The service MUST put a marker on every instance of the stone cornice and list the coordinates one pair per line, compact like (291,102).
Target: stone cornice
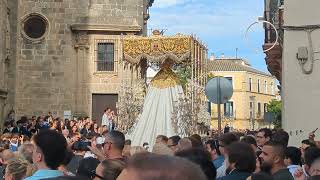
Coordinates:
(106,27)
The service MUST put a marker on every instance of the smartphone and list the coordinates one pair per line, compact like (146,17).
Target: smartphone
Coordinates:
(315,130)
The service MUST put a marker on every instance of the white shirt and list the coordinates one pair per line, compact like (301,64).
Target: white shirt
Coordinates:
(104,120)
(221,171)
(293,168)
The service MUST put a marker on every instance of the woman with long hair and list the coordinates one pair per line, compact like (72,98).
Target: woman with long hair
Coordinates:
(74,129)
(56,125)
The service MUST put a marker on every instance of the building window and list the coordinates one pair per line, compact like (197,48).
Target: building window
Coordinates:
(34,26)
(230,79)
(105,61)
(265,87)
(250,84)
(259,109)
(265,107)
(258,85)
(272,89)
(228,109)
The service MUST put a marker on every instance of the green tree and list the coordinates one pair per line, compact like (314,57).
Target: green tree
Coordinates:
(275,107)
(210,76)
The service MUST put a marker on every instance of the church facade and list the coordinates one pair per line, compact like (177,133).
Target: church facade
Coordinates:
(65,56)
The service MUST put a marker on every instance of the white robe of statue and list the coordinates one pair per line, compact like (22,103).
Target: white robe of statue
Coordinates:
(155,119)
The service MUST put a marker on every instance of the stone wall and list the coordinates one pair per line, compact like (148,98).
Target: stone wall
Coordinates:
(300,92)
(8,19)
(57,73)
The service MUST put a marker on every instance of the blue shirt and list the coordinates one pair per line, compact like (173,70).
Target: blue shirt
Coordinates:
(45,173)
(218,162)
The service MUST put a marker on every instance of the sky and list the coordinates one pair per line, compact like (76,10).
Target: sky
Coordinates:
(221,24)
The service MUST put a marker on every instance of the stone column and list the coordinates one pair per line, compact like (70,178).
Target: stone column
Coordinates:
(82,49)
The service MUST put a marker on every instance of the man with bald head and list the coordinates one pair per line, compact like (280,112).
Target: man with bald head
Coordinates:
(184,144)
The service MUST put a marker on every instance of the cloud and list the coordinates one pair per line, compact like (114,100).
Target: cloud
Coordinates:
(219,23)
(167,3)
(204,17)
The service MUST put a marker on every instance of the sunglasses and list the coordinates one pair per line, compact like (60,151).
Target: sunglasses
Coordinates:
(94,174)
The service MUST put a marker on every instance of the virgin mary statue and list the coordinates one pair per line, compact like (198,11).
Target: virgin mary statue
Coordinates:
(155,118)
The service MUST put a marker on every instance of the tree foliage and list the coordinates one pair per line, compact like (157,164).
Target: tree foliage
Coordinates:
(275,107)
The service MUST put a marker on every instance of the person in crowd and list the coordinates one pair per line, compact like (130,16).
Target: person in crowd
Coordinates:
(63,125)
(162,139)
(17,169)
(305,144)
(87,166)
(315,168)
(127,148)
(56,125)
(260,176)
(241,161)
(258,162)
(26,151)
(310,155)
(137,149)
(162,149)
(273,155)
(281,137)
(200,157)
(48,154)
(212,147)
(264,135)
(63,166)
(224,141)
(111,123)
(226,129)
(184,144)
(151,166)
(7,127)
(6,156)
(14,142)
(85,131)
(173,142)
(251,141)
(196,141)
(74,129)
(113,146)
(104,119)
(292,159)
(109,169)
(94,129)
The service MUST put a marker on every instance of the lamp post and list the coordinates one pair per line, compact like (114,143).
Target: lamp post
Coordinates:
(252,112)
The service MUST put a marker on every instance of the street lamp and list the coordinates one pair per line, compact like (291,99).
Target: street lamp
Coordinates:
(252,111)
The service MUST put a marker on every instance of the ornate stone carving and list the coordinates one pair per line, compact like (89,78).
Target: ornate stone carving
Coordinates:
(81,40)
(274,60)
(157,48)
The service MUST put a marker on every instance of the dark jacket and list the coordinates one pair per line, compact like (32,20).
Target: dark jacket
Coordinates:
(236,175)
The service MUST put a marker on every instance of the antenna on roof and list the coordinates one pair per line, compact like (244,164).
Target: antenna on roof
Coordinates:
(236,53)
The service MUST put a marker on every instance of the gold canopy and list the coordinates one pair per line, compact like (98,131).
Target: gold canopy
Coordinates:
(165,78)
(157,48)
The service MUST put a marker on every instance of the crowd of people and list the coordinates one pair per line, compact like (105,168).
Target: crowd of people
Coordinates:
(53,148)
